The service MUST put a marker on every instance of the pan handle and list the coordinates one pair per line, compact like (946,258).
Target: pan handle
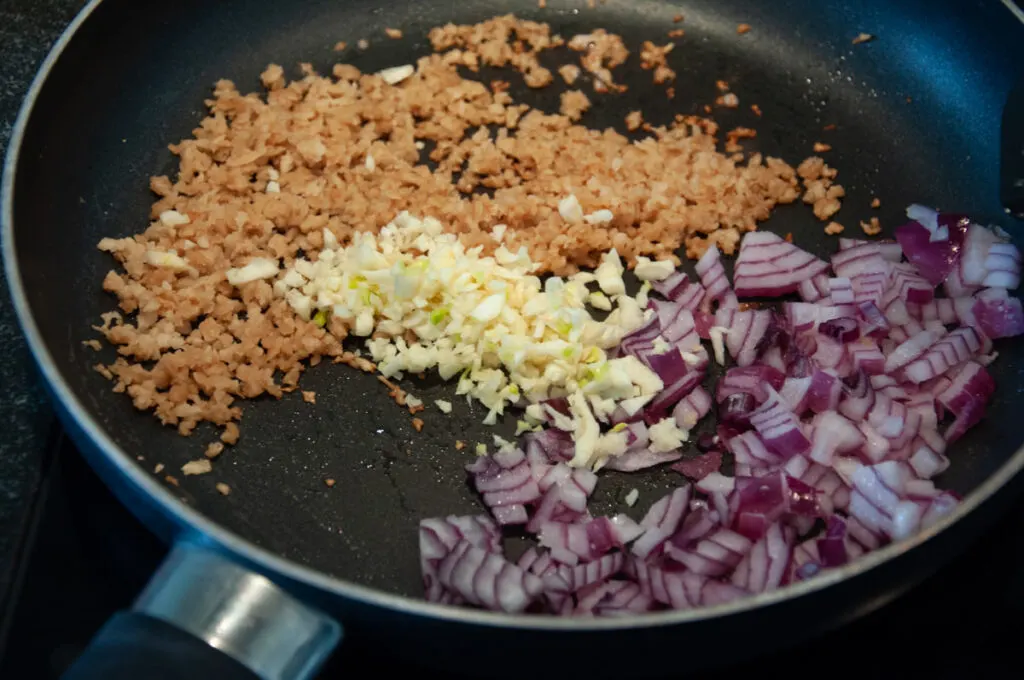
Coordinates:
(203,616)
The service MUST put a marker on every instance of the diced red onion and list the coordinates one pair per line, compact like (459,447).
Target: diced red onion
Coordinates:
(778,427)
(814,289)
(754,380)
(487,579)
(641,459)
(769,266)
(700,466)
(955,348)
(661,522)
(767,562)
(692,408)
(998,315)
(712,274)
(933,259)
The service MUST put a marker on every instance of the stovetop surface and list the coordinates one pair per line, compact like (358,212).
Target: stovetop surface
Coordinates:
(83,557)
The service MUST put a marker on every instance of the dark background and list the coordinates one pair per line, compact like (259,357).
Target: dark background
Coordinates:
(80,556)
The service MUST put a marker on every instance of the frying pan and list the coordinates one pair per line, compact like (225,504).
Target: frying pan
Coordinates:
(917,114)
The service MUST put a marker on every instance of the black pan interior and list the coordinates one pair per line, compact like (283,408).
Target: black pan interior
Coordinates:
(916,112)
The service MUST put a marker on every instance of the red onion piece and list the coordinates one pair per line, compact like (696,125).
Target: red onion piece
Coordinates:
(952,350)
(814,289)
(692,408)
(998,315)
(778,427)
(767,563)
(834,434)
(641,459)
(439,536)
(487,579)
(700,466)
(754,380)
(933,259)
(746,328)
(661,522)
(769,266)
(712,275)
(613,598)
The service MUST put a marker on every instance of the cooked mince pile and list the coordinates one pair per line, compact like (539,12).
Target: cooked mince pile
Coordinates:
(264,174)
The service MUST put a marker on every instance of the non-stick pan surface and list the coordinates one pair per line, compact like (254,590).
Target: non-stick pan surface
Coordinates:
(916,114)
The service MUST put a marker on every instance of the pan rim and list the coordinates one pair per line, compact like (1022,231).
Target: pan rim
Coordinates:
(283,568)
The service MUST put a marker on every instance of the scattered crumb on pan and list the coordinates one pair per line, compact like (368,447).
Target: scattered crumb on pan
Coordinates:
(829,128)
(733,137)
(309,396)
(393,33)
(729,100)
(158,468)
(339,46)
(876,202)
(743,28)
(872,227)
(756,109)
(676,33)
(197,467)
(223,489)
(93,344)
(214,449)
(363,44)
(862,38)
(821,147)
(834,228)
(330,482)
(417,424)
(677,19)
(569,73)
(634,119)
(459,444)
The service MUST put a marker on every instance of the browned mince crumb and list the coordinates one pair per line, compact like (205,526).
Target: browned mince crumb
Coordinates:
(417,424)
(743,28)
(542,4)
(876,203)
(820,191)
(340,46)
(393,33)
(670,92)
(654,57)
(330,482)
(676,33)
(309,397)
(459,444)
(173,481)
(756,109)
(394,391)
(834,228)
(499,86)
(574,104)
(829,127)
(190,344)
(789,237)
(634,120)
(677,19)
(158,468)
(230,434)
(591,4)
(722,85)
(602,51)
(821,147)
(223,488)
(569,73)
(728,100)
(733,136)
(93,344)
(862,38)
(197,467)
(707,108)
(872,227)
(214,449)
